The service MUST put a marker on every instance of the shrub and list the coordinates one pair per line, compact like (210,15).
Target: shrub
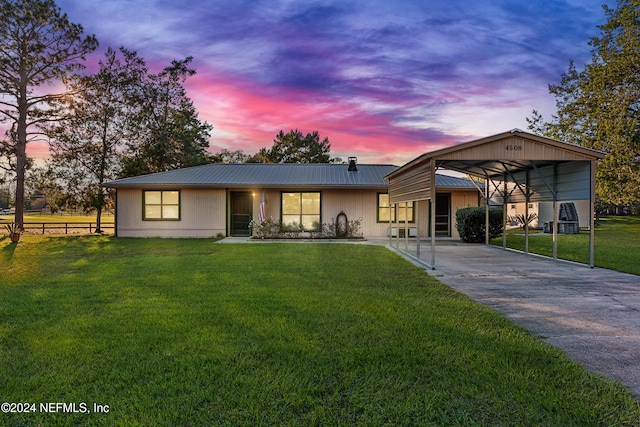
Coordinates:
(272,229)
(522,220)
(470,223)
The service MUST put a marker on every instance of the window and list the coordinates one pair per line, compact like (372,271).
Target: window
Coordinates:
(161,205)
(301,209)
(384,210)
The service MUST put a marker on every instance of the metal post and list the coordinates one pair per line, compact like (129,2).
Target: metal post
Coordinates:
(416,221)
(486,210)
(390,224)
(592,224)
(555,211)
(406,226)
(526,214)
(504,212)
(433,213)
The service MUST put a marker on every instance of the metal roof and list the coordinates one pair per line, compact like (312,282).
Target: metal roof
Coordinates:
(280,175)
(508,152)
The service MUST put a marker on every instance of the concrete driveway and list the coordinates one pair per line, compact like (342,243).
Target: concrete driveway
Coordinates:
(591,314)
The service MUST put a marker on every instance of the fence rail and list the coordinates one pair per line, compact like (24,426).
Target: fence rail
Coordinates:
(57,227)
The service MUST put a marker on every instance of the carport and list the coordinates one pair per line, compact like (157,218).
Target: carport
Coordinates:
(511,167)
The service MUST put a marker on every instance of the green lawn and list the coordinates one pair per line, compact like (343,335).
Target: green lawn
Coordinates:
(617,244)
(187,332)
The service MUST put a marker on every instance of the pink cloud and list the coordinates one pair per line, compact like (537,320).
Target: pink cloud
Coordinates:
(247,116)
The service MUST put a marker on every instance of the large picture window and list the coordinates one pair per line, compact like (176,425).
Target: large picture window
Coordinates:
(405,210)
(301,210)
(161,205)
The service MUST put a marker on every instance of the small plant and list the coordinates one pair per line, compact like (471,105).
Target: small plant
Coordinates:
(522,220)
(14,231)
(267,229)
(272,229)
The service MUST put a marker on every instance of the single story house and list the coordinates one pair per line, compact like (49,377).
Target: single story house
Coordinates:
(223,199)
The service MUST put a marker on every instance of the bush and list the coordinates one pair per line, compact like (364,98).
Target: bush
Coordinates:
(470,223)
(272,229)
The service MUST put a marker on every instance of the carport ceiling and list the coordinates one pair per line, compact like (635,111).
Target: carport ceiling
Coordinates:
(492,168)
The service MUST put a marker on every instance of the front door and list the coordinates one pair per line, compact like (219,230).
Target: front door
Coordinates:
(241,213)
(443,215)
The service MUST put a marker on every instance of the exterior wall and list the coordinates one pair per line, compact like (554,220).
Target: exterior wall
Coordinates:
(356,204)
(459,200)
(202,214)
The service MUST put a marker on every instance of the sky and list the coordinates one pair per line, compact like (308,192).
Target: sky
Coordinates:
(384,80)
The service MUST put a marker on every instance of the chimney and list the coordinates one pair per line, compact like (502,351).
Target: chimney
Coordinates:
(352,164)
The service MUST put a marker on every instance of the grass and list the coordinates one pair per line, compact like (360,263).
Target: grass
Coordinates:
(617,244)
(186,332)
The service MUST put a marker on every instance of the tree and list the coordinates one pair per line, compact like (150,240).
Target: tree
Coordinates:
(172,135)
(38,47)
(63,190)
(103,119)
(227,156)
(599,106)
(293,147)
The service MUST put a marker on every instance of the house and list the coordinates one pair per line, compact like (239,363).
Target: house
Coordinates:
(222,199)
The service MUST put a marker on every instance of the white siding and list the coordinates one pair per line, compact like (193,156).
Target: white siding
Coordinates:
(202,214)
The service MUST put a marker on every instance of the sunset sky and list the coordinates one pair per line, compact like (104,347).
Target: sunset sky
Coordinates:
(384,80)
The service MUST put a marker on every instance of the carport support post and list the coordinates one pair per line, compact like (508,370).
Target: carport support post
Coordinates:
(396,210)
(486,210)
(433,214)
(555,228)
(416,220)
(504,212)
(406,226)
(526,213)
(555,211)
(592,224)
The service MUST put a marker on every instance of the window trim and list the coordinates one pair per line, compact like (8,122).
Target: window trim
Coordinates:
(386,221)
(319,193)
(144,205)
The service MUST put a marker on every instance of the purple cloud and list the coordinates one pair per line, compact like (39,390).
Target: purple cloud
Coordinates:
(374,76)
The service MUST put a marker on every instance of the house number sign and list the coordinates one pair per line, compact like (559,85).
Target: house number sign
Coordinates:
(513,147)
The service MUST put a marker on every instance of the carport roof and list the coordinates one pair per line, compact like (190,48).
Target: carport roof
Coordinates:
(508,152)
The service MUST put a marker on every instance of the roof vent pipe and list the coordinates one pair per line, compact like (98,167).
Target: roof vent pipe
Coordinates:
(352,164)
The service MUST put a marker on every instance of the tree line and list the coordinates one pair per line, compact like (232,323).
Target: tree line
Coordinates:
(120,121)
(599,106)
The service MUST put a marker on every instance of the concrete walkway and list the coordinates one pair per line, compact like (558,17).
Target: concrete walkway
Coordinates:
(591,314)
